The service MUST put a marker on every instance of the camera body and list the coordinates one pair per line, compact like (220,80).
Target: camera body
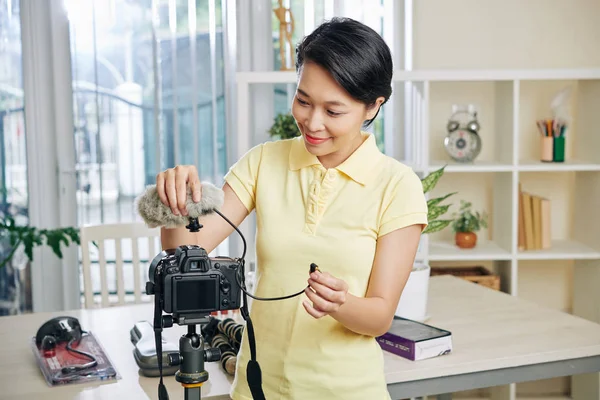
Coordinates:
(192,284)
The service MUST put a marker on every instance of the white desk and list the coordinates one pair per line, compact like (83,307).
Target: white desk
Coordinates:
(498,339)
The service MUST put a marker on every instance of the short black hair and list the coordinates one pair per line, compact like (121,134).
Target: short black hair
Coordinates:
(354,54)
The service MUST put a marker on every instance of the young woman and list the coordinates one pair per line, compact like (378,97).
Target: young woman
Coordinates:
(328,197)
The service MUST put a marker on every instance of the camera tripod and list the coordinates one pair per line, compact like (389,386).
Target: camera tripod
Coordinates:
(191,358)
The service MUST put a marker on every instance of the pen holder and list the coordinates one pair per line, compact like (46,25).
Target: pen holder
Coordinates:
(547,148)
(552,149)
(558,145)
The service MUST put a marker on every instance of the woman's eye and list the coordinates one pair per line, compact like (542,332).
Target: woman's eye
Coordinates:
(301,101)
(333,113)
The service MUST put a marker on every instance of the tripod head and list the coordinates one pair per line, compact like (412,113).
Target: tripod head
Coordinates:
(191,358)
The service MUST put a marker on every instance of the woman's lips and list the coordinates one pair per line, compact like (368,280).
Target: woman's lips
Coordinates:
(314,140)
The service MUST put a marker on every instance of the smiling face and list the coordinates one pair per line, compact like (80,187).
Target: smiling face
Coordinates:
(329,119)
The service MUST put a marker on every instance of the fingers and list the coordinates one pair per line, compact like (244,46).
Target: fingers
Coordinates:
(160,189)
(313,311)
(171,190)
(181,178)
(171,186)
(327,293)
(196,187)
(328,280)
(320,304)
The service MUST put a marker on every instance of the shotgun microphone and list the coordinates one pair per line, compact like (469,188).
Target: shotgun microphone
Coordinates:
(155,213)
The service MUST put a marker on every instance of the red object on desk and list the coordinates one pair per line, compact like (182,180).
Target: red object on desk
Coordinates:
(52,360)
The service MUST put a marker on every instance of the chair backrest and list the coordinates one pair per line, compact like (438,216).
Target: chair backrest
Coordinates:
(113,248)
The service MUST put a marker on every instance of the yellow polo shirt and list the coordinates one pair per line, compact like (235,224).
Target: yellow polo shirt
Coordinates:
(332,217)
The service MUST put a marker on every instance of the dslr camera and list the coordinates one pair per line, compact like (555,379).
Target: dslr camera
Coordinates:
(192,284)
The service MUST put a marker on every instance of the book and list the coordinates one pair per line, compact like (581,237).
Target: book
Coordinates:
(545,221)
(52,363)
(528,221)
(521,242)
(415,340)
(534,222)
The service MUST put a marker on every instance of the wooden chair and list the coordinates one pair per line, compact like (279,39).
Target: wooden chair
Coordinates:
(110,239)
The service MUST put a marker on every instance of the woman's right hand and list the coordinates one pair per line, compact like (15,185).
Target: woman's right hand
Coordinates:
(172,184)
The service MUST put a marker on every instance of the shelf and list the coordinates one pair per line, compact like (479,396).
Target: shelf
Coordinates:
(484,250)
(568,165)
(487,250)
(267,77)
(561,250)
(496,75)
(443,75)
(476,166)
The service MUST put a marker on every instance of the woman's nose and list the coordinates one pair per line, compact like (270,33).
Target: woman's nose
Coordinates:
(314,122)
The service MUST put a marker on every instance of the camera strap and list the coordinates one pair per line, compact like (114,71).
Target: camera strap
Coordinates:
(253,373)
(158,327)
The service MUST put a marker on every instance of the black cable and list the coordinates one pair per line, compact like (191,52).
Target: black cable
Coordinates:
(242,286)
(240,272)
(73,368)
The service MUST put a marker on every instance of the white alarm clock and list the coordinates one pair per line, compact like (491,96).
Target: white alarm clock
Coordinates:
(463,143)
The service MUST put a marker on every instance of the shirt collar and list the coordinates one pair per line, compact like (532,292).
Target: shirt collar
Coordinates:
(357,167)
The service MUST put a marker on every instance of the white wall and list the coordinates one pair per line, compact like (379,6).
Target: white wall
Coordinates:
(506,34)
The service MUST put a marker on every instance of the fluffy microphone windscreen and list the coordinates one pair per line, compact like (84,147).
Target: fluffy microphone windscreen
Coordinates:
(155,213)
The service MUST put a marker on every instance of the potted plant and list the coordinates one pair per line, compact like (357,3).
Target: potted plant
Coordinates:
(413,302)
(17,241)
(466,224)
(284,127)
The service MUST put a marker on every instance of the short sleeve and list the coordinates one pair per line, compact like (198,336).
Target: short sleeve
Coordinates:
(243,176)
(407,205)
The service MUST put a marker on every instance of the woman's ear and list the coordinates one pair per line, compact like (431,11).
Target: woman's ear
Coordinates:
(372,110)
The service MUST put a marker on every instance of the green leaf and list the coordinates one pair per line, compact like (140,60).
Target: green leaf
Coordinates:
(73,234)
(438,200)
(435,212)
(54,239)
(28,243)
(437,225)
(432,179)
(31,237)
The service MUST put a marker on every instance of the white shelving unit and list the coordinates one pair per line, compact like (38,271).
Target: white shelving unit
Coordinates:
(508,103)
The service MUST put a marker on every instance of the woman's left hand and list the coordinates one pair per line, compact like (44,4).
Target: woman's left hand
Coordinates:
(326,292)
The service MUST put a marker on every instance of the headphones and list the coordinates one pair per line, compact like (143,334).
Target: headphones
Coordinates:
(59,330)
(471,125)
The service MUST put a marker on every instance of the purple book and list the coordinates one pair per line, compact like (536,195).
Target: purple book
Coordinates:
(414,340)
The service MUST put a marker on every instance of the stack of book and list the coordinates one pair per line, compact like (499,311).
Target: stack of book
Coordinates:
(534,221)
(415,340)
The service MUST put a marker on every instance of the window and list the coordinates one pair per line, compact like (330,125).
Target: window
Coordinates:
(13,159)
(148,87)
(149,94)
